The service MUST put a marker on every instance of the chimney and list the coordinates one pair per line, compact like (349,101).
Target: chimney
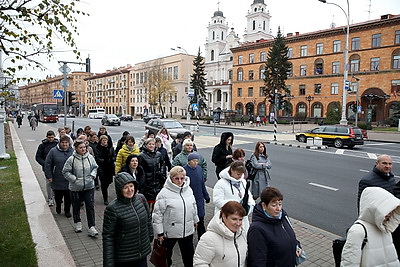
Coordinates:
(88,64)
(387,16)
(297,33)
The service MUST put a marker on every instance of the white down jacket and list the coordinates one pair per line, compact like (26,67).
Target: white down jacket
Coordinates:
(224,191)
(375,204)
(175,211)
(220,247)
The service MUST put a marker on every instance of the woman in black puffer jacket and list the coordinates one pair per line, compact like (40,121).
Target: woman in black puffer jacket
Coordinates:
(105,158)
(127,227)
(154,171)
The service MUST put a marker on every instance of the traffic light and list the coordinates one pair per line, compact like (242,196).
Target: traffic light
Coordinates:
(271,98)
(282,101)
(71,98)
(354,106)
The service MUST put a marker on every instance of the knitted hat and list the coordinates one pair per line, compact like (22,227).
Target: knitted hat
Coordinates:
(193,155)
(187,133)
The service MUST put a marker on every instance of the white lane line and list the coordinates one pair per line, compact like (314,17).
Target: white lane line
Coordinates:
(361,170)
(339,151)
(324,186)
(372,155)
(381,144)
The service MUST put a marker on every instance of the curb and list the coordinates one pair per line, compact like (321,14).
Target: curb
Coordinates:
(50,244)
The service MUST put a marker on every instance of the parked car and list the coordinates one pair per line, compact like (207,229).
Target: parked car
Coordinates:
(336,135)
(126,117)
(148,117)
(110,119)
(174,127)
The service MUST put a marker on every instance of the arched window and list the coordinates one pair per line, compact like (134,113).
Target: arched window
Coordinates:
(219,95)
(262,72)
(222,35)
(261,109)
(212,55)
(240,74)
(254,25)
(239,108)
(317,110)
(354,63)
(319,66)
(213,37)
(301,107)
(396,59)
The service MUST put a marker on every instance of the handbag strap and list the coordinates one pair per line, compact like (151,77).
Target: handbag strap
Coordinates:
(365,240)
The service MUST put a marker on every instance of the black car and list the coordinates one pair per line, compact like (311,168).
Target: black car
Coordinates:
(150,117)
(126,117)
(336,135)
(110,119)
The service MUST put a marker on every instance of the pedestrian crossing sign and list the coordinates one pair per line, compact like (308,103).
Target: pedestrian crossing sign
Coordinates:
(58,94)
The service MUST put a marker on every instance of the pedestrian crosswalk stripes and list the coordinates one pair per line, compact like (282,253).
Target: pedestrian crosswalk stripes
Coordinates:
(205,141)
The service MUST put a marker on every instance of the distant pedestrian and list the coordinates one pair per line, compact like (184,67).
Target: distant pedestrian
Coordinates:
(19,120)
(380,215)
(127,227)
(41,153)
(166,140)
(80,170)
(33,123)
(222,153)
(258,119)
(242,120)
(195,173)
(54,165)
(260,161)
(265,120)
(225,242)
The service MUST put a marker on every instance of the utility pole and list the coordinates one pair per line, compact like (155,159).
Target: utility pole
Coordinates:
(275,113)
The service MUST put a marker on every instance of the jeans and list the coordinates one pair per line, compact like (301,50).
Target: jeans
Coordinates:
(88,197)
(186,247)
(59,195)
(50,193)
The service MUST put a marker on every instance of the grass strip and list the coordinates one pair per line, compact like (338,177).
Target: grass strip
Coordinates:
(16,245)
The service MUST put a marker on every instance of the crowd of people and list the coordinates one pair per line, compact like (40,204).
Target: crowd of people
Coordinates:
(161,196)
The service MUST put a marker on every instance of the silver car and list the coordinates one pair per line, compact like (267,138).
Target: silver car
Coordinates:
(174,127)
(110,119)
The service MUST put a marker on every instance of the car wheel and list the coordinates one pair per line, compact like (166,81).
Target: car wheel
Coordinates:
(338,143)
(302,139)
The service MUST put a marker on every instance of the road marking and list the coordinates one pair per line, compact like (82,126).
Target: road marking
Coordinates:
(381,144)
(372,155)
(361,170)
(324,186)
(211,141)
(340,151)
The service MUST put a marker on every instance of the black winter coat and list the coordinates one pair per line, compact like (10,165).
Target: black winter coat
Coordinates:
(220,152)
(105,158)
(109,141)
(154,173)
(165,156)
(127,227)
(271,242)
(54,165)
(44,149)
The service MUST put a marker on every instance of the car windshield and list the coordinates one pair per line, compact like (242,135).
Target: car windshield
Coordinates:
(172,124)
(112,116)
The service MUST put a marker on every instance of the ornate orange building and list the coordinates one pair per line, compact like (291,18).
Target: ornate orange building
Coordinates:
(317,61)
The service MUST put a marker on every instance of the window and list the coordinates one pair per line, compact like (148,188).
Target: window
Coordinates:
(303,51)
(334,88)
(250,91)
(219,95)
(263,56)
(240,59)
(303,70)
(262,91)
(396,61)
(320,49)
(335,67)
(230,74)
(239,92)
(240,74)
(175,72)
(290,52)
(251,75)
(251,58)
(262,72)
(336,46)
(397,37)
(376,40)
(319,66)
(212,55)
(375,63)
(317,89)
(355,43)
(354,65)
(170,73)
(302,89)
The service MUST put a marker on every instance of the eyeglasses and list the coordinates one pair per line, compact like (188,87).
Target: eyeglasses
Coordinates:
(179,178)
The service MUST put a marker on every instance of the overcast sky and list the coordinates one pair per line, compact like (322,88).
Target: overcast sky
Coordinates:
(122,32)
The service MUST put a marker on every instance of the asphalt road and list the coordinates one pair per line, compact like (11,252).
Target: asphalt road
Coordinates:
(319,186)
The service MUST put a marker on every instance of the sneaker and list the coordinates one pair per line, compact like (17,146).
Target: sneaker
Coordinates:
(50,202)
(68,214)
(93,232)
(78,227)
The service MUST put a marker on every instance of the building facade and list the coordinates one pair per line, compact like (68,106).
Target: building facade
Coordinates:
(316,79)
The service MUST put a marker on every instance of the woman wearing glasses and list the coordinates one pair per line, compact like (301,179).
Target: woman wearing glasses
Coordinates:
(80,169)
(175,215)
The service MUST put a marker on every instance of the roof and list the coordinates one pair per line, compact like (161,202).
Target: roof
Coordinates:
(218,14)
(258,2)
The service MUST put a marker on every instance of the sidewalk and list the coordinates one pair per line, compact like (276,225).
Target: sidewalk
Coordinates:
(86,251)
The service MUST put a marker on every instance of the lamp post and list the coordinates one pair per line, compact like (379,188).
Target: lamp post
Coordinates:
(309,98)
(188,81)
(343,120)
(171,102)
(370,97)
(385,97)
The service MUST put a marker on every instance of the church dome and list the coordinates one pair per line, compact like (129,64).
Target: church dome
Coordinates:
(218,14)
(258,2)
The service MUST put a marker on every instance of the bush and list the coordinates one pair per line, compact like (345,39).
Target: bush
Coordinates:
(365,126)
(300,116)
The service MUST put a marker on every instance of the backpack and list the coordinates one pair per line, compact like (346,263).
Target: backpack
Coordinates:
(251,171)
(338,244)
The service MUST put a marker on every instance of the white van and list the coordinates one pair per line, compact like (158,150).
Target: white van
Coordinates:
(96,113)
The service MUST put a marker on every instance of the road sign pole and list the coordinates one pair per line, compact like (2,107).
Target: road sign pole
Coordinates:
(65,85)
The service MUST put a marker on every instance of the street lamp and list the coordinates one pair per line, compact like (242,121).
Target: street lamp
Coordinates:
(385,97)
(343,120)
(171,102)
(309,98)
(178,48)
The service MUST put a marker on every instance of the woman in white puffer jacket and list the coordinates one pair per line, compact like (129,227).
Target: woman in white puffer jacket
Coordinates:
(380,214)
(225,242)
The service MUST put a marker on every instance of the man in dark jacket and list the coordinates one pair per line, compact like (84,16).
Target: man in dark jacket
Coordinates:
(43,149)
(222,153)
(53,171)
(381,176)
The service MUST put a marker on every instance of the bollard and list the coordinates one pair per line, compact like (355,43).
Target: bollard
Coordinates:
(310,141)
(318,141)
(3,154)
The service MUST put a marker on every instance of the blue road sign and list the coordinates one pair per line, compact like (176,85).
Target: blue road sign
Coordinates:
(58,94)
(195,107)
